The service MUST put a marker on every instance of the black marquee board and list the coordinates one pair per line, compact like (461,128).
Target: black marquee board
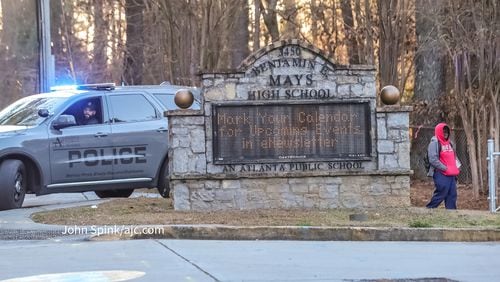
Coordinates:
(291,132)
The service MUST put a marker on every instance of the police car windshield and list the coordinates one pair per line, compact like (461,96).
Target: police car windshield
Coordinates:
(25,111)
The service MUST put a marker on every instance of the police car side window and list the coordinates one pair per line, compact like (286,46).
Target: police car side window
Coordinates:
(132,108)
(167,100)
(86,111)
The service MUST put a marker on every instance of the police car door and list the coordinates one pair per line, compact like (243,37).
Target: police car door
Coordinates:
(81,153)
(139,134)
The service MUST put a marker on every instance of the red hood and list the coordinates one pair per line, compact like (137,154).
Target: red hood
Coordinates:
(439,133)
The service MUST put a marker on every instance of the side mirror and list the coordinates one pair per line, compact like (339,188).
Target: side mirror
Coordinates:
(63,121)
(43,113)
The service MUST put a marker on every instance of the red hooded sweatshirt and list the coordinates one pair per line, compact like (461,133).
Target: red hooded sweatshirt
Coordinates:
(447,155)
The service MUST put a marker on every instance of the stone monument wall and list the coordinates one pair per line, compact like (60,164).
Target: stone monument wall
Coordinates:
(290,129)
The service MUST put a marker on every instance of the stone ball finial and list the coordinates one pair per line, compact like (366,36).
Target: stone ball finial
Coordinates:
(183,98)
(389,95)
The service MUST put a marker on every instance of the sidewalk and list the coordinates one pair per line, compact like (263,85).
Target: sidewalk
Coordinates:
(17,225)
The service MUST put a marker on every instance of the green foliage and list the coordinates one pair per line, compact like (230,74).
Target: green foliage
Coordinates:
(418,223)
(304,223)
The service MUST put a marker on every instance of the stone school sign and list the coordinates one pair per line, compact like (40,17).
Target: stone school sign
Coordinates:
(290,129)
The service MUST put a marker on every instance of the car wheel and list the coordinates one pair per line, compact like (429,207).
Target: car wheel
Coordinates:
(13,184)
(122,193)
(164,182)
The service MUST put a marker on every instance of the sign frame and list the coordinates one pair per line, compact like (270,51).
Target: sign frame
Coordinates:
(368,121)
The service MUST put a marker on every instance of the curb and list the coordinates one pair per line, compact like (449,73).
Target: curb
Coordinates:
(209,232)
(20,226)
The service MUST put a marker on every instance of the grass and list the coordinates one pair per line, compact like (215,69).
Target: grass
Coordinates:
(160,211)
(304,224)
(420,224)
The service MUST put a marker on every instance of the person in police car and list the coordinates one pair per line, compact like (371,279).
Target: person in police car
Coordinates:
(89,114)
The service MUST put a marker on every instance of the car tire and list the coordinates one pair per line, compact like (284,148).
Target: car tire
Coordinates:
(13,184)
(164,181)
(122,193)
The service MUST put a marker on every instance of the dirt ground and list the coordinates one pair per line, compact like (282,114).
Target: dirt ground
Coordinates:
(471,213)
(421,193)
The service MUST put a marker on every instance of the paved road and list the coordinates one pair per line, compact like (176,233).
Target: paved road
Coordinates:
(72,259)
(188,260)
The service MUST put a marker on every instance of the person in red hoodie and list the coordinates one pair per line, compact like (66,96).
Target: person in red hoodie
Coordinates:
(443,168)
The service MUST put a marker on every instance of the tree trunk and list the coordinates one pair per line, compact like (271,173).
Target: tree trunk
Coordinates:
(387,43)
(8,72)
(429,78)
(194,49)
(9,23)
(19,50)
(370,50)
(479,147)
(240,38)
(393,18)
(256,26)
(205,27)
(290,30)
(56,32)
(270,18)
(99,64)
(467,114)
(352,43)
(134,55)
(117,52)
(429,61)
(314,22)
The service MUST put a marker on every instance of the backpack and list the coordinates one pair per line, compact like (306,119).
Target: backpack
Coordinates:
(427,164)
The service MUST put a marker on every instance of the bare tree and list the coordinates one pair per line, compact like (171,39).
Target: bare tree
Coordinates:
(18,50)
(325,24)
(134,55)
(99,62)
(117,31)
(469,30)
(394,19)
(314,21)
(270,15)
(368,34)
(256,25)
(349,31)
(234,34)
(289,19)
(346,29)
(429,64)
(429,78)
(239,40)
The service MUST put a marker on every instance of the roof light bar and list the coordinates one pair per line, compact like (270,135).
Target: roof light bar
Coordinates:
(97,86)
(63,87)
